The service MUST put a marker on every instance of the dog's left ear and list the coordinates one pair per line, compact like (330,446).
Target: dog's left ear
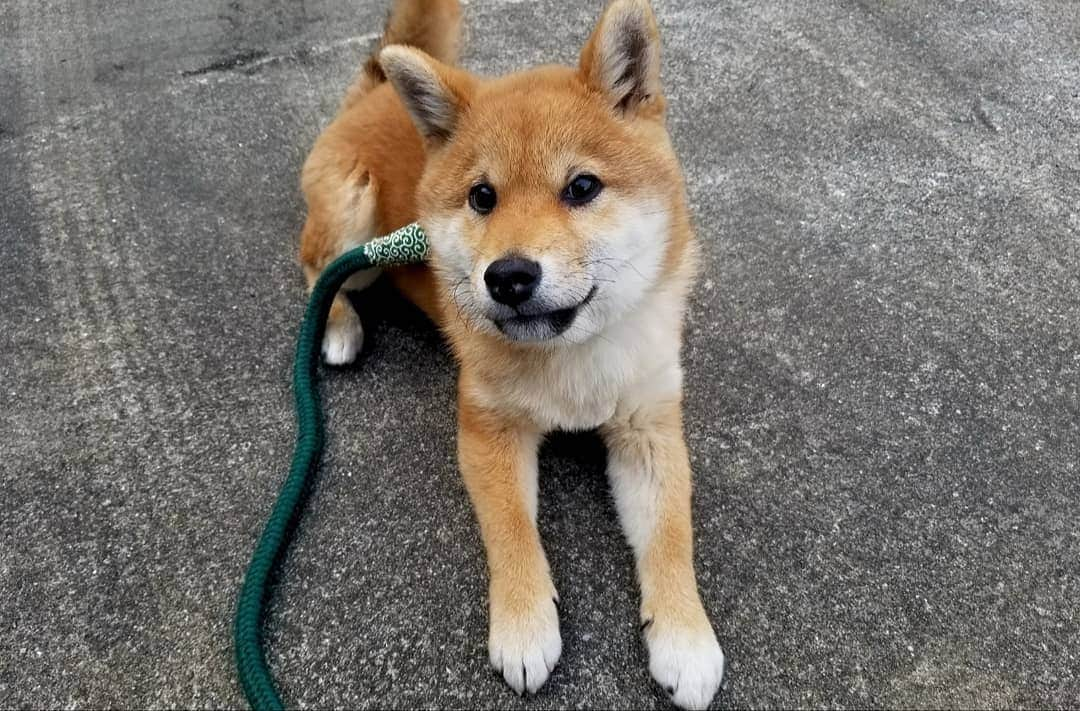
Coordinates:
(434,94)
(622,58)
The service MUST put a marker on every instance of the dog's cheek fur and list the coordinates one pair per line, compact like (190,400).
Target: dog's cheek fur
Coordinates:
(460,282)
(624,257)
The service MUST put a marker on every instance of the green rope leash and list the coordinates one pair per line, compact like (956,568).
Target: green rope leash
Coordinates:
(407,245)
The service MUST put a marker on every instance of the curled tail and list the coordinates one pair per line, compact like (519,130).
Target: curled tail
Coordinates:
(431,25)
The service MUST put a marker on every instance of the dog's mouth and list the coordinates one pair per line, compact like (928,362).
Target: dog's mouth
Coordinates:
(542,325)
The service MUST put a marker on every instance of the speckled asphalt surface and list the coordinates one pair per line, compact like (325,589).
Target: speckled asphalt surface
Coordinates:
(883,364)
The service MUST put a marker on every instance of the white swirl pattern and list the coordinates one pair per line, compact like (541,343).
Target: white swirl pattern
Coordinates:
(407,245)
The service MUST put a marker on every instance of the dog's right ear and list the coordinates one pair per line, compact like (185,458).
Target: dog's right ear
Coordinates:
(434,94)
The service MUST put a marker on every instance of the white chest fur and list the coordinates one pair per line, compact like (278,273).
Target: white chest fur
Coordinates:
(580,386)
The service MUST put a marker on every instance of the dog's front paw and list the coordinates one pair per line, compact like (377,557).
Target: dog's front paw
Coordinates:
(343,339)
(525,645)
(686,661)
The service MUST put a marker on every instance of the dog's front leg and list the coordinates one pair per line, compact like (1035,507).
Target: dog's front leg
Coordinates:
(649,470)
(498,462)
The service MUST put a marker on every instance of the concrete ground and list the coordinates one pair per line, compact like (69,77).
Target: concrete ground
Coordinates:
(883,365)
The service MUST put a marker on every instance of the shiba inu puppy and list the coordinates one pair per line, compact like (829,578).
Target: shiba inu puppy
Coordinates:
(561,254)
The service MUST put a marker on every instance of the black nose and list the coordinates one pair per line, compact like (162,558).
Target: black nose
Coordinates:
(512,280)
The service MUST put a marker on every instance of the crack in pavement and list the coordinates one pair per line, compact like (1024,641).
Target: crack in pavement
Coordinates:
(252,60)
(228,64)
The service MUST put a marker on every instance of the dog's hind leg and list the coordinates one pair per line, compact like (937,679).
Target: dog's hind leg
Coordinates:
(341,215)
(344,335)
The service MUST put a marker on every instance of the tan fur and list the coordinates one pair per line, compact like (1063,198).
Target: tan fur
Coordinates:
(497,458)
(372,171)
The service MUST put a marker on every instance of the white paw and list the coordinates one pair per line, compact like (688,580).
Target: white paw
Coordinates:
(688,664)
(343,339)
(525,648)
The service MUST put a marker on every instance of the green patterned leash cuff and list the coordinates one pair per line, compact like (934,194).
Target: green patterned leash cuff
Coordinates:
(407,245)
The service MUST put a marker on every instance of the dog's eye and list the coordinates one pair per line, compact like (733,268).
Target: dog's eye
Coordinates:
(582,189)
(482,198)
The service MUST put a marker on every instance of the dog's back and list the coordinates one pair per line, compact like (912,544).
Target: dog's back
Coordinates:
(360,179)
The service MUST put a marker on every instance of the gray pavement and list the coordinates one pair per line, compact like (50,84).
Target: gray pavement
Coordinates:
(883,365)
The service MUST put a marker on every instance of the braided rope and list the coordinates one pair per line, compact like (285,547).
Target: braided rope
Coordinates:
(404,246)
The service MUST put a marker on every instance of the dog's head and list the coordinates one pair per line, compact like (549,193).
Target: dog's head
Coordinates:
(548,194)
